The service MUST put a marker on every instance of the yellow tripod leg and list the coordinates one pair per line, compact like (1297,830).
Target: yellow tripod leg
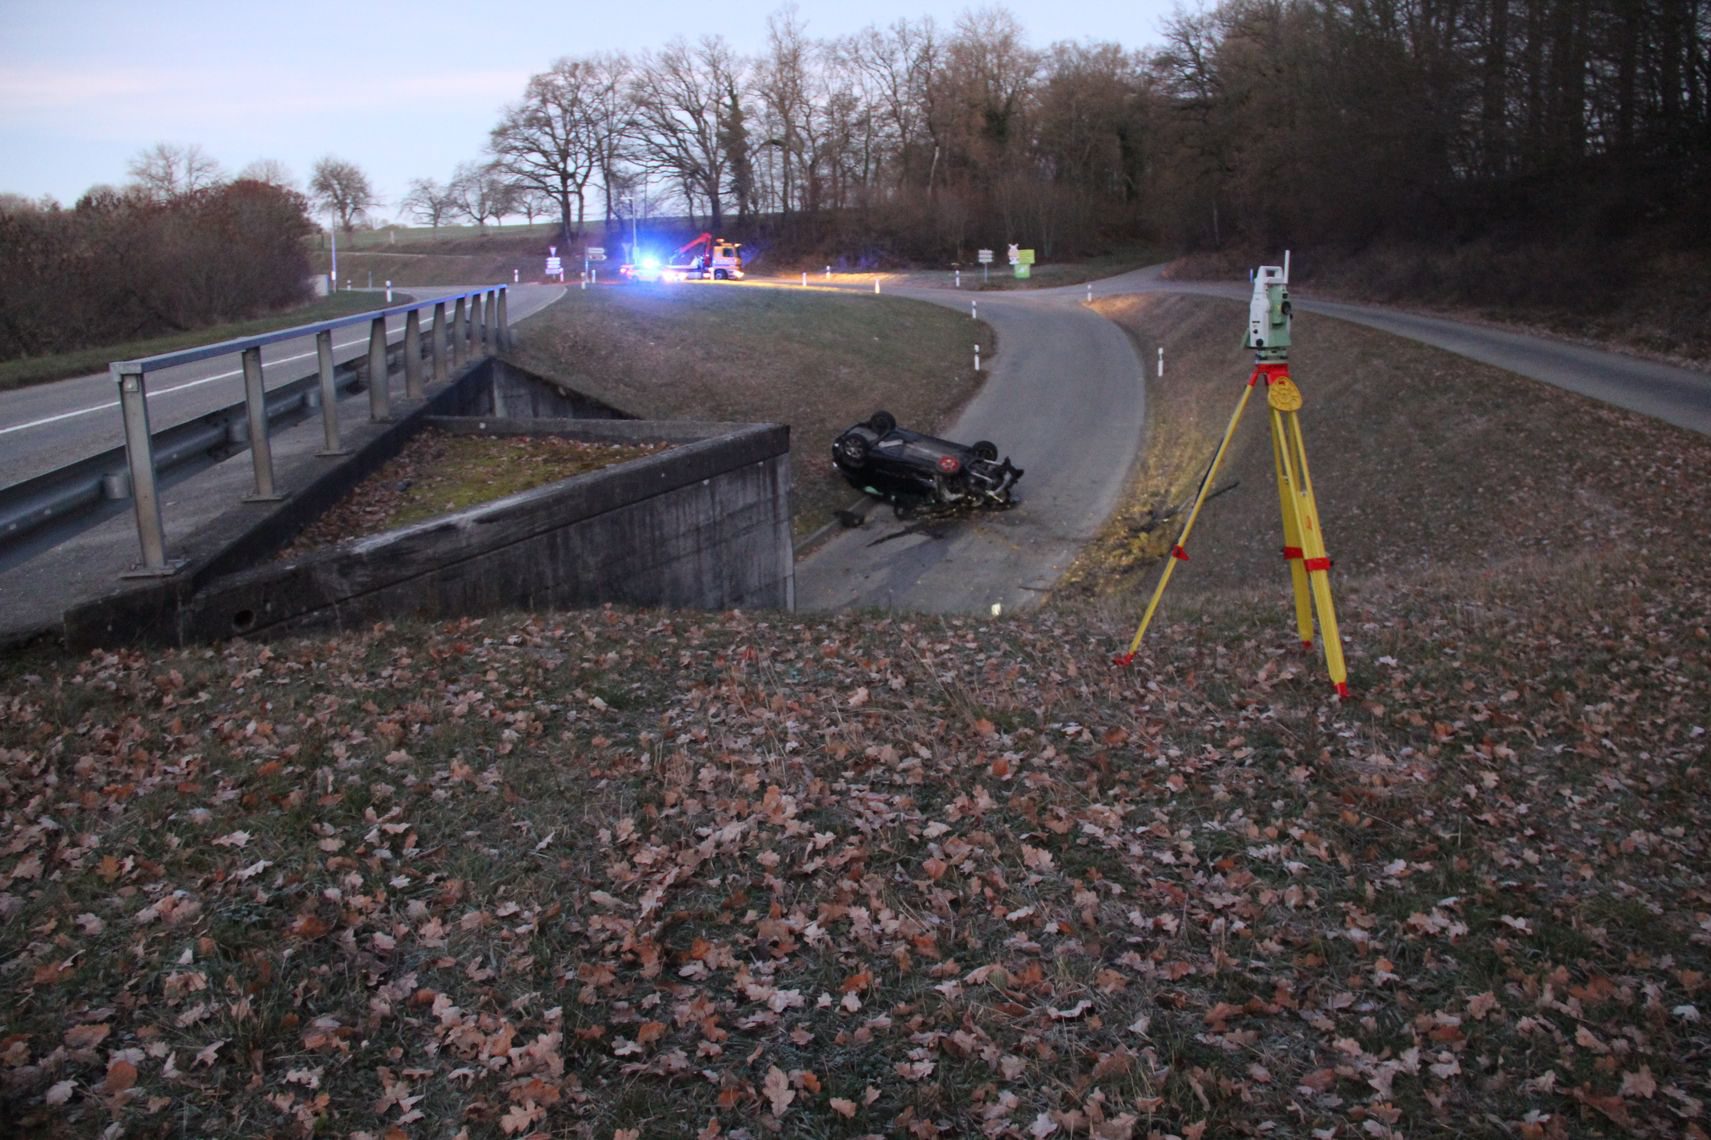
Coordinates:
(1301,510)
(1291,532)
(1179,553)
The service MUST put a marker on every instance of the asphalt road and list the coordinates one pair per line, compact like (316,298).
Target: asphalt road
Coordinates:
(48,425)
(1678,396)
(1066,400)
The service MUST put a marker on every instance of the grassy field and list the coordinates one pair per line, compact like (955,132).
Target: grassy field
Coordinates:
(41,369)
(813,360)
(624,874)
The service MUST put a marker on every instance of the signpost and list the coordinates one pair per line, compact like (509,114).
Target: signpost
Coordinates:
(985,257)
(555,267)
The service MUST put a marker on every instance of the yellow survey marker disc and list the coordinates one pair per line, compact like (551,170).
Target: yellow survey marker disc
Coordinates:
(1283,395)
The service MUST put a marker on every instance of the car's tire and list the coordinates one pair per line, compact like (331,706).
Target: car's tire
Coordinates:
(986,450)
(881,422)
(852,449)
(719,275)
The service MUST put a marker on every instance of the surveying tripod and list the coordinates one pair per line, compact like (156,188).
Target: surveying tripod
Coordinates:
(1269,314)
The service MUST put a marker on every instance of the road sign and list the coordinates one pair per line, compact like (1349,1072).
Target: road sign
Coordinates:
(555,268)
(1024,257)
(985,257)
(596,253)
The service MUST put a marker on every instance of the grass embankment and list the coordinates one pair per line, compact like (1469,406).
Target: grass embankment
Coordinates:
(451,255)
(616,873)
(41,369)
(815,361)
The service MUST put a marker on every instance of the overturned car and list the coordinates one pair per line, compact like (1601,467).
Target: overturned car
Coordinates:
(914,471)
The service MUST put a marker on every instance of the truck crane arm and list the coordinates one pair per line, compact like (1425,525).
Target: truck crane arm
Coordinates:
(704,240)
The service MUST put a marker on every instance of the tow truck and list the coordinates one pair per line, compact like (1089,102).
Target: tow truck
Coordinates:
(717,259)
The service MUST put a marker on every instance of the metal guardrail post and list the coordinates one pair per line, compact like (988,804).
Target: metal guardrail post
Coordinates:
(379,396)
(460,337)
(504,320)
(261,449)
(413,354)
(329,396)
(139,452)
(439,343)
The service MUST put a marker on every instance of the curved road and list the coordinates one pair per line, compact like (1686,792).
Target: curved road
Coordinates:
(1065,401)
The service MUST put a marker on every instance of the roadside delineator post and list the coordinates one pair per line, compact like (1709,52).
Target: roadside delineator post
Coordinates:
(977,357)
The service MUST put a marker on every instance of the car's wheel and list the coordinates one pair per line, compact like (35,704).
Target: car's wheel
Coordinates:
(852,449)
(719,275)
(881,422)
(986,450)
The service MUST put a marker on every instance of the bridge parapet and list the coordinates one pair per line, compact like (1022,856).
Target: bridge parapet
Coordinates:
(476,320)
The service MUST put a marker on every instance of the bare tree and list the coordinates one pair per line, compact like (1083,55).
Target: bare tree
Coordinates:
(550,141)
(342,187)
(270,171)
(479,191)
(613,123)
(428,201)
(899,65)
(782,84)
(166,171)
(532,202)
(680,99)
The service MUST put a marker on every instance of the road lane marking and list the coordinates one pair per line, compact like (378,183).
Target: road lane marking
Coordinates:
(166,391)
(196,383)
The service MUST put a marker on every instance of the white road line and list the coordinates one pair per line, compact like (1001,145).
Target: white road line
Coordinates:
(167,391)
(196,383)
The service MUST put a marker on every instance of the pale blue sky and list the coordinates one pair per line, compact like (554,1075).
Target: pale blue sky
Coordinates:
(403,90)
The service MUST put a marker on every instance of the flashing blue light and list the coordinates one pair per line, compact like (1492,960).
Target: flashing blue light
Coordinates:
(650,263)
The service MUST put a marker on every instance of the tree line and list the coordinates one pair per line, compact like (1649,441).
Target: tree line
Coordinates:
(1256,121)
(179,248)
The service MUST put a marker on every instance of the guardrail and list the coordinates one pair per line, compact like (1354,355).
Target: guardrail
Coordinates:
(477,317)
